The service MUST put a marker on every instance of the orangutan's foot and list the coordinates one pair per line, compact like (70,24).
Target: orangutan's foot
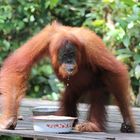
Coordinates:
(8,123)
(127,128)
(87,127)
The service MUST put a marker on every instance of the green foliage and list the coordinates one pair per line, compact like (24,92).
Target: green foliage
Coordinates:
(10,138)
(116,21)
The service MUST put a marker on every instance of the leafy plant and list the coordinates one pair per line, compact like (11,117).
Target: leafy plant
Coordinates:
(116,21)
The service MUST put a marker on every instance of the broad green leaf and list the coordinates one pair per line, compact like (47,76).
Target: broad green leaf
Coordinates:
(124,57)
(130,25)
(131,73)
(6,44)
(129,2)
(126,41)
(138,46)
(53,3)
(52,83)
(124,51)
(49,69)
(55,96)
(137,58)
(98,22)
(36,88)
(123,23)
(49,97)
(136,9)
(32,18)
(137,71)
(20,25)
(108,1)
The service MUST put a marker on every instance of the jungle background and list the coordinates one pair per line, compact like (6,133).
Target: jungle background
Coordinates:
(117,22)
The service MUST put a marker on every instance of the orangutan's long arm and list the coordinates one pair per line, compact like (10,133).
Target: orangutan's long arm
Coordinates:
(15,70)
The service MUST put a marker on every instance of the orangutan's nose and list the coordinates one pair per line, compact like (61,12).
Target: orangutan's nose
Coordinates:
(70,68)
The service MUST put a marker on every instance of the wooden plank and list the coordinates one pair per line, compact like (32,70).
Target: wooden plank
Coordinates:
(72,136)
(24,127)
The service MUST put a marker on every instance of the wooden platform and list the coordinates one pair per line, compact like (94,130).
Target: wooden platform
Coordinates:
(24,127)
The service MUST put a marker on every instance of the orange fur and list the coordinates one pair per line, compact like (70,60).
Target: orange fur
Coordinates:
(98,73)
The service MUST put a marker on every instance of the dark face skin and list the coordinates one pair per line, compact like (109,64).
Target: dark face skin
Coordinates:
(67,56)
